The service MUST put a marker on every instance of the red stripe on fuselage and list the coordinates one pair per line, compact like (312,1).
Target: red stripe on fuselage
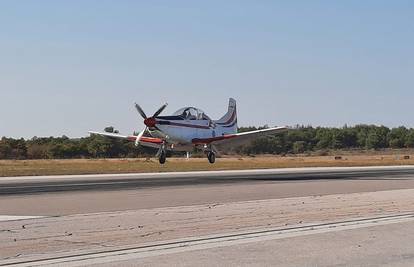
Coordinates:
(203,141)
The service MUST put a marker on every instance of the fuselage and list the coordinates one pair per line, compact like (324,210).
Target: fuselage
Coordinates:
(187,131)
(192,126)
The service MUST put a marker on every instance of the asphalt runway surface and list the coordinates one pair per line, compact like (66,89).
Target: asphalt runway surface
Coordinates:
(49,184)
(60,195)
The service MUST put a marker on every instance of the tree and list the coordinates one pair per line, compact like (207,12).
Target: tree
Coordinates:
(13,148)
(299,147)
(324,137)
(98,146)
(301,139)
(409,139)
(377,137)
(36,151)
(397,137)
(338,138)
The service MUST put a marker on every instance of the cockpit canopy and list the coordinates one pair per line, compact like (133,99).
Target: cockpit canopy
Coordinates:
(191,113)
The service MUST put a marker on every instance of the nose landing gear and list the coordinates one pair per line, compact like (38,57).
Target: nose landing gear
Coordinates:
(162,154)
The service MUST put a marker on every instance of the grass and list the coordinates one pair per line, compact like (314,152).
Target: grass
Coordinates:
(100,166)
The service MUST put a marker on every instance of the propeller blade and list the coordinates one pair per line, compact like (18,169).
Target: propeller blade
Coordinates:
(140,111)
(139,136)
(161,109)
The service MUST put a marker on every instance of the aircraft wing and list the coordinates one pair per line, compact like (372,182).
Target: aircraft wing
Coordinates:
(234,140)
(145,141)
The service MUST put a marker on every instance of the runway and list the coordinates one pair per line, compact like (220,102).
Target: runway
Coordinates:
(48,184)
(57,219)
(63,195)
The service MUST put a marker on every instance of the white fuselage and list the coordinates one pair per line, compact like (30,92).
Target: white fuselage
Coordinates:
(185,131)
(191,126)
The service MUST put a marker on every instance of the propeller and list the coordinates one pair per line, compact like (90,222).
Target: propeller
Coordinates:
(156,114)
(140,111)
(161,109)
(139,137)
(151,121)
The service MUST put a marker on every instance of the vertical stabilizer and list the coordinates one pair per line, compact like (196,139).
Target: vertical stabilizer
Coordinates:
(229,120)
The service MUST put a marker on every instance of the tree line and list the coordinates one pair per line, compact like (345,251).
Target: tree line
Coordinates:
(303,139)
(300,139)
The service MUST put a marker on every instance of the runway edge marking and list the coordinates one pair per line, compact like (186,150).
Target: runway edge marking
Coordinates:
(8,218)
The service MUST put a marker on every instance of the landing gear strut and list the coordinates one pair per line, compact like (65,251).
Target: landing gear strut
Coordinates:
(211,157)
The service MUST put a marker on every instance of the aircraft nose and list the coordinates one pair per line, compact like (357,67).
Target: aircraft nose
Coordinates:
(150,122)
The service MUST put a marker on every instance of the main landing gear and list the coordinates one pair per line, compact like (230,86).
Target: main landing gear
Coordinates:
(163,157)
(209,150)
(211,157)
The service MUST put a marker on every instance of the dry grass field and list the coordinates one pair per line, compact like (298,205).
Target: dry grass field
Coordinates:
(101,166)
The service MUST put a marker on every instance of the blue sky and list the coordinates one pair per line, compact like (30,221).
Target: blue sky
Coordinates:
(67,67)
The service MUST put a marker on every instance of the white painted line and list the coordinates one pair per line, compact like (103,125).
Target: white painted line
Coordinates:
(6,218)
(215,241)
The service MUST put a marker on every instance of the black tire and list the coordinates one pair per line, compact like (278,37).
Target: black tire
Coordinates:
(163,158)
(211,157)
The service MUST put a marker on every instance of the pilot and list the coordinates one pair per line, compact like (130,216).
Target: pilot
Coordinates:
(186,114)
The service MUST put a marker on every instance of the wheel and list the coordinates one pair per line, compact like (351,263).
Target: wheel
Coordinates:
(163,157)
(211,157)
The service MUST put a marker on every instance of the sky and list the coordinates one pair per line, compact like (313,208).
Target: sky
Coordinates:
(67,67)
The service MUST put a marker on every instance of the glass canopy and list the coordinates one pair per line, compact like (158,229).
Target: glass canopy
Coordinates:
(190,113)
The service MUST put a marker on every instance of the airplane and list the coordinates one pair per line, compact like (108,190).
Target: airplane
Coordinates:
(190,128)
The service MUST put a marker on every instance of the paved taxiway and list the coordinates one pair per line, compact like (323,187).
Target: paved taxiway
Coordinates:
(97,214)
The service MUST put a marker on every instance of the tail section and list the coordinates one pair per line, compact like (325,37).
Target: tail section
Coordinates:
(229,120)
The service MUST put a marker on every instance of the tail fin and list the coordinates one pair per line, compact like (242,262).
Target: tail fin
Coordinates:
(229,120)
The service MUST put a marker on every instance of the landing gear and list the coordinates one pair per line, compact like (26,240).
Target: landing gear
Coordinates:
(162,154)
(211,157)
(163,157)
